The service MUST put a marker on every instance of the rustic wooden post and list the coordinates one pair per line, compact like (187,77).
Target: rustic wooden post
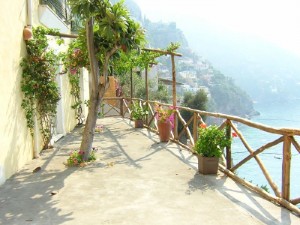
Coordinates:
(174,96)
(122,107)
(131,86)
(195,127)
(228,148)
(146,83)
(174,80)
(286,168)
(147,90)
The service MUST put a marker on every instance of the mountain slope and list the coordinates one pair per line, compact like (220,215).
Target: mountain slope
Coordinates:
(265,71)
(160,35)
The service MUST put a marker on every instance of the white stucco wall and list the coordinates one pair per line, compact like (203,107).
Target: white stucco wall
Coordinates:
(15,140)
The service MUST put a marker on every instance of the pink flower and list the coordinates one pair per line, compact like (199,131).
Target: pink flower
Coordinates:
(173,107)
(171,119)
(163,115)
(81,152)
(77,51)
(73,71)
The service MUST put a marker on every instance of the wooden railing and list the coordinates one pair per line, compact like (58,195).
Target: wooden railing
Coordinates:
(187,134)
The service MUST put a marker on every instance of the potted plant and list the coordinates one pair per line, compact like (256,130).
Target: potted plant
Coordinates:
(138,114)
(165,121)
(209,148)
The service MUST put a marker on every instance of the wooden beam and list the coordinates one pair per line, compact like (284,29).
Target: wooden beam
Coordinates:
(258,151)
(282,131)
(146,83)
(63,35)
(174,96)
(286,168)
(174,80)
(195,127)
(186,128)
(258,160)
(295,201)
(295,143)
(162,52)
(228,148)
(262,193)
(131,85)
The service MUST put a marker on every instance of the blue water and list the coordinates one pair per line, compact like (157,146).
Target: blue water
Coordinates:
(280,115)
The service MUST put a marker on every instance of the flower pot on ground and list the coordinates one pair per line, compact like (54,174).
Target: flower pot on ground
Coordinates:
(164,130)
(138,114)
(208,165)
(209,148)
(139,123)
(165,121)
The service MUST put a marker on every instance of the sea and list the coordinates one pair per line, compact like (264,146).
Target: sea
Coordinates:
(279,115)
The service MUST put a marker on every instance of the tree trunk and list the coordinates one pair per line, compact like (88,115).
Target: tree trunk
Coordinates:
(89,129)
(97,90)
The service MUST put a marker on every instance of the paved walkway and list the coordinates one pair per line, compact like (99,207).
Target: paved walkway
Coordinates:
(136,180)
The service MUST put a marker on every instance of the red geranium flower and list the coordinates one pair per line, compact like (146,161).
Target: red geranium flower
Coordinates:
(202,125)
(81,152)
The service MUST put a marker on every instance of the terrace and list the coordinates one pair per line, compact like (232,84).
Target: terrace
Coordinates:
(135,180)
(138,180)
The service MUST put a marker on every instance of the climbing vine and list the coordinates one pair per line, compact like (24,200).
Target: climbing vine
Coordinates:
(75,58)
(38,84)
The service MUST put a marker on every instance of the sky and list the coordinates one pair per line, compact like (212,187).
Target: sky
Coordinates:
(276,21)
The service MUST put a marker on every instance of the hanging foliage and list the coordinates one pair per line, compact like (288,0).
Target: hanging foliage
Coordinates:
(74,59)
(38,83)
(77,54)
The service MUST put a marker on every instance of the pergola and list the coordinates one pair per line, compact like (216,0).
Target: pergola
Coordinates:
(172,54)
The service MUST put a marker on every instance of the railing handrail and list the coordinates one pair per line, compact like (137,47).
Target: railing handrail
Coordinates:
(282,131)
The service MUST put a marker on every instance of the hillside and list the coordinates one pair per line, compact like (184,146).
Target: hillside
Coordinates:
(193,70)
(267,72)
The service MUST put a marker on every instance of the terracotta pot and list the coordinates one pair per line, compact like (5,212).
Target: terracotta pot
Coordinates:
(27,33)
(164,129)
(208,165)
(138,124)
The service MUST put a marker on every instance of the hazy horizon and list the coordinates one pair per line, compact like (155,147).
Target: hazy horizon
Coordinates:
(276,22)
(254,42)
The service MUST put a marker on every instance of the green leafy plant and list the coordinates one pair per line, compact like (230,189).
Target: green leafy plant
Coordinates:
(173,47)
(38,83)
(74,59)
(76,158)
(76,56)
(138,112)
(74,80)
(211,141)
(265,188)
(191,100)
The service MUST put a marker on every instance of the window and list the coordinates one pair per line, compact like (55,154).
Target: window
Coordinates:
(60,7)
